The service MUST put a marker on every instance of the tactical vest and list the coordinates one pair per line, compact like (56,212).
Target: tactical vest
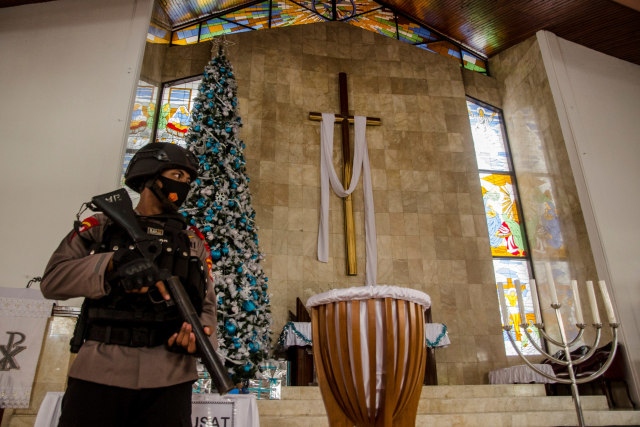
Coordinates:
(142,320)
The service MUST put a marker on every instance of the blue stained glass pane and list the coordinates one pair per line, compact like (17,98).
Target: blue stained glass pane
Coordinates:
(517,270)
(488,138)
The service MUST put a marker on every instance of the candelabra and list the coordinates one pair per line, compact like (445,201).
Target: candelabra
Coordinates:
(574,378)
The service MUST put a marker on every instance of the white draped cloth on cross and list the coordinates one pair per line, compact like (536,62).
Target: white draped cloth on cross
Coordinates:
(328,175)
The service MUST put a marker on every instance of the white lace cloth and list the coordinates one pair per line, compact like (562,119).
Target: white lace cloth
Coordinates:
(367,292)
(521,374)
(433,333)
(23,318)
(328,175)
(291,338)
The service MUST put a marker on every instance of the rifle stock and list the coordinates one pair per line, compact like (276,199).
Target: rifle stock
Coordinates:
(117,206)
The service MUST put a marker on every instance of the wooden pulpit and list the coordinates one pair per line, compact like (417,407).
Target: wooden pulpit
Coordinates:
(369,352)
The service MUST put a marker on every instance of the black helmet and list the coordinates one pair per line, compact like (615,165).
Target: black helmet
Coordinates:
(156,157)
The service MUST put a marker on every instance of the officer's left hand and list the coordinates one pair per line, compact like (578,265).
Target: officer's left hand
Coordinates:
(185,338)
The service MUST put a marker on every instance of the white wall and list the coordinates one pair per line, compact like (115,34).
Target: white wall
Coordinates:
(68,72)
(598,102)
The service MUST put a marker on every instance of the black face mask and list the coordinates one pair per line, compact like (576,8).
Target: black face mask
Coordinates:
(176,192)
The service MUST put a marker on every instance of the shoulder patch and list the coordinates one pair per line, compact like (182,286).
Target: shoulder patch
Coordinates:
(88,223)
(208,260)
(197,232)
(85,225)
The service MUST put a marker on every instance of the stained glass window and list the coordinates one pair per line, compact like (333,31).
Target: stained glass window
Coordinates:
(367,14)
(507,271)
(473,63)
(218,26)
(506,232)
(158,35)
(175,111)
(381,21)
(286,13)
(142,117)
(185,36)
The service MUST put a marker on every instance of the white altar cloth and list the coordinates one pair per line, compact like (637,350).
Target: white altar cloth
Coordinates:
(521,374)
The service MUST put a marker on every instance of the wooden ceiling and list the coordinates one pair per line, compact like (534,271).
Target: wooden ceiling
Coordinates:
(491,26)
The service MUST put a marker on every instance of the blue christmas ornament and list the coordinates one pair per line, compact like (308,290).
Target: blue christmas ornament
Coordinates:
(230,327)
(210,122)
(247,367)
(230,203)
(211,104)
(243,220)
(215,254)
(220,300)
(197,128)
(248,306)
(193,221)
(184,214)
(208,219)
(236,344)
(239,269)
(207,228)
(225,250)
(253,347)
(209,95)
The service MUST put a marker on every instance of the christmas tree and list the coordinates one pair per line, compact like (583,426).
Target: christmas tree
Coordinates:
(220,207)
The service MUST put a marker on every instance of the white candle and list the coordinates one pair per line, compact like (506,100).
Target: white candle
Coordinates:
(576,300)
(523,315)
(552,284)
(592,302)
(536,303)
(607,302)
(503,305)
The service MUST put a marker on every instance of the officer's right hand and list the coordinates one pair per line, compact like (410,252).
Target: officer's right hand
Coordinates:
(159,285)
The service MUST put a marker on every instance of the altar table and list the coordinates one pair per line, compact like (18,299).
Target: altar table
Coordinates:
(521,374)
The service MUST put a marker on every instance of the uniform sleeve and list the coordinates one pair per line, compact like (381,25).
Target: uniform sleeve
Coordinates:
(72,271)
(209,306)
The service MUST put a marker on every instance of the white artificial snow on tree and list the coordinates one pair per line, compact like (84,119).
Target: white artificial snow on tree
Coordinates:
(220,207)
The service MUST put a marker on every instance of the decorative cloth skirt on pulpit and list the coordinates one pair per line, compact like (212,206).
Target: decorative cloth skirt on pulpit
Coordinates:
(369,352)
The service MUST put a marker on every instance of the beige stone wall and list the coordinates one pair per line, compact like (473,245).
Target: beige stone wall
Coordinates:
(429,212)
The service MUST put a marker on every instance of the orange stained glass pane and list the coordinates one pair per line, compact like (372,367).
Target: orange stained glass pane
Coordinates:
(380,21)
(444,48)
(506,234)
(285,13)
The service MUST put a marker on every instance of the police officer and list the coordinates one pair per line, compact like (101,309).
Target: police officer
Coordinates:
(135,364)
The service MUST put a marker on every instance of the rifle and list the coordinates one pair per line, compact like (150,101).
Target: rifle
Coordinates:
(117,206)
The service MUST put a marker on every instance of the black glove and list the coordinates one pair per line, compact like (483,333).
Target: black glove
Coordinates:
(136,274)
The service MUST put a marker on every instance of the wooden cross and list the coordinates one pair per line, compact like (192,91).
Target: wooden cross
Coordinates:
(345,119)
